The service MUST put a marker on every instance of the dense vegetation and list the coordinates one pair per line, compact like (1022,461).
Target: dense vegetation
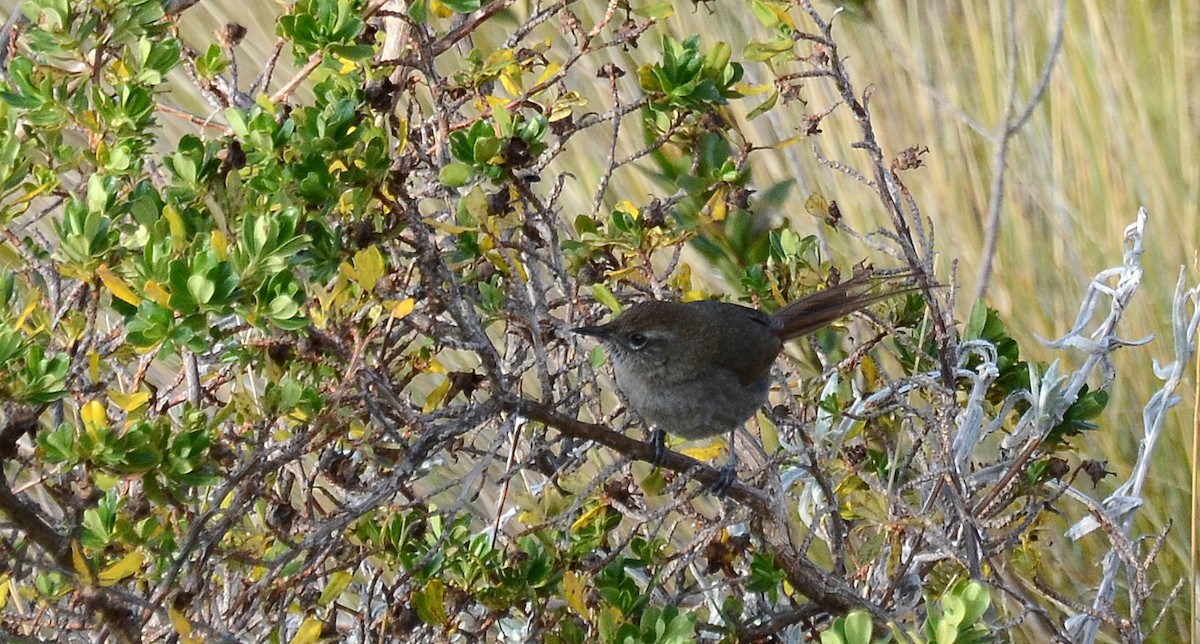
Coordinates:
(299,366)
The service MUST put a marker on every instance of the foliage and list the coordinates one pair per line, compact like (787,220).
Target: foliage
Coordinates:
(301,368)
(956,617)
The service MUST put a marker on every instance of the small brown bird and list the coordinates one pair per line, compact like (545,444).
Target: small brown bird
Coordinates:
(697,369)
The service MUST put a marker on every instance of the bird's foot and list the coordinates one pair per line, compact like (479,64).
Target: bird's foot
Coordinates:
(658,439)
(727,478)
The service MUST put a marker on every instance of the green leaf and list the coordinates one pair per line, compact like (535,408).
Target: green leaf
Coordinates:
(201,288)
(23,101)
(485,149)
(430,603)
(761,51)
(765,576)
(237,122)
(461,6)
(977,321)
(417,11)
(976,600)
(657,11)
(455,174)
(858,627)
(606,297)
(763,107)
(338,582)
(59,445)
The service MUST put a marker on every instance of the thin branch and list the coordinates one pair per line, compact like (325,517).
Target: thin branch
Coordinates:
(1012,123)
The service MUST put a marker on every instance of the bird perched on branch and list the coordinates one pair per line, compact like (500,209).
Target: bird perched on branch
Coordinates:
(698,369)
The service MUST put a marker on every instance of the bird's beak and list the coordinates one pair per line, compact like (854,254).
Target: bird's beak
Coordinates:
(594,331)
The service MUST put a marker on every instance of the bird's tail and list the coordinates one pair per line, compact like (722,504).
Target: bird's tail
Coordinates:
(826,306)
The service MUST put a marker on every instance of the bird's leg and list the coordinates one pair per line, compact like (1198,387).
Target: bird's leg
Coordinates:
(658,439)
(729,472)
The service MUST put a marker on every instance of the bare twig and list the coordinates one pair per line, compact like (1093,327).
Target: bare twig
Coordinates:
(1014,120)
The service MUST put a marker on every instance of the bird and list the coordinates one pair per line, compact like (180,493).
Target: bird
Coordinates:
(702,368)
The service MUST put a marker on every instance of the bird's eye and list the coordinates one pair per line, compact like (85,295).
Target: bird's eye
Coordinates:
(637,341)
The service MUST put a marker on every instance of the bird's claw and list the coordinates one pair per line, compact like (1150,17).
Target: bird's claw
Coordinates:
(658,439)
(727,478)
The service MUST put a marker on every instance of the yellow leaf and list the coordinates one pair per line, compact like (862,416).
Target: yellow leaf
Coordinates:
(337,583)
(117,285)
(548,73)
(870,370)
(779,145)
(430,603)
(781,14)
(94,366)
(33,303)
(128,565)
(220,244)
(435,397)
(32,194)
(310,631)
(498,260)
(403,135)
(716,205)
(563,106)
(448,228)
(647,80)
(750,89)
(157,293)
(80,563)
(347,65)
(94,415)
(369,265)
(129,402)
(475,203)
(440,10)
(499,59)
(619,274)
(706,452)
(775,292)
(520,266)
(627,207)
(574,588)
(403,308)
(181,623)
(337,166)
(683,277)
(587,518)
(175,223)
(121,69)
(816,205)
(319,318)
(512,84)
(656,11)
